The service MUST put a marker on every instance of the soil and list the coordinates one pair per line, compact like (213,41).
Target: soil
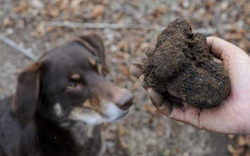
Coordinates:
(182,66)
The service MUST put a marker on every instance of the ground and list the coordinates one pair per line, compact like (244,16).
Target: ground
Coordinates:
(144,132)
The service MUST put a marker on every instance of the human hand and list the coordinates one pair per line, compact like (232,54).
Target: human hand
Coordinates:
(232,116)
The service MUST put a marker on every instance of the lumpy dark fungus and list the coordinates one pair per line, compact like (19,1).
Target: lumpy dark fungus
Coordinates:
(181,66)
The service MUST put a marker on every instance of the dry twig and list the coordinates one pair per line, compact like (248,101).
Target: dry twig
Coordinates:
(117,26)
(96,25)
(12,44)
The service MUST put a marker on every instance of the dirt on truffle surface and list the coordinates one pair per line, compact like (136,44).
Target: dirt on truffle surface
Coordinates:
(181,65)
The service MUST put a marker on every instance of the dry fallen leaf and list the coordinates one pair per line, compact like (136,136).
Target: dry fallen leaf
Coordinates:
(53,11)
(8,22)
(162,9)
(75,3)
(160,129)
(123,46)
(121,140)
(124,69)
(233,150)
(23,6)
(40,30)
(20,24)
(37,4)
(98,11)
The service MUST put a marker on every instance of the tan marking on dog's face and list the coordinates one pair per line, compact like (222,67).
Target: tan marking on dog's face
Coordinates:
(99,68)
(109,113)
(75,76)
(92,61)
(87,103)
(97,65)
(93,104)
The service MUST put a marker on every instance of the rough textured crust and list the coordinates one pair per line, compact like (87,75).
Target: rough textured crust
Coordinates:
(181,65)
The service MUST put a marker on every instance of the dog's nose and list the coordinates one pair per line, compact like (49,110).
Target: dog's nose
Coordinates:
(125,101)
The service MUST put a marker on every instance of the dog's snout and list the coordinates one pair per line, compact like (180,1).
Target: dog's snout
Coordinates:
(121,97)
(125,101)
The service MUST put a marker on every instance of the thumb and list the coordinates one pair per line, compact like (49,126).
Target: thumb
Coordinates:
(223,50)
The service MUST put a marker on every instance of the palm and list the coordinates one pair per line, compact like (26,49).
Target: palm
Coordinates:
(231,115)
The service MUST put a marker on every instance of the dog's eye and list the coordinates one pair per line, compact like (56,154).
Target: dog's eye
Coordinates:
(71,85)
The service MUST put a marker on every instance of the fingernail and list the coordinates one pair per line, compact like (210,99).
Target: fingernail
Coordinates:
(217,60)
(136,69)
(143,83)
(156,98)
(166,108)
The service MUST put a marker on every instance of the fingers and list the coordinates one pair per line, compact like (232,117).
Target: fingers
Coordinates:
(162,104)
(222,49)
(136,70)
(187,114)
(156,98)
(143,82)
(166,108)
(172,107)
(167,105)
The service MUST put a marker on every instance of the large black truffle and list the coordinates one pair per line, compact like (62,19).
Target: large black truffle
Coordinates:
(181,65)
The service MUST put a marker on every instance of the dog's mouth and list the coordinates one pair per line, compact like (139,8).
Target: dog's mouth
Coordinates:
(122,115)
(116,111)
(110,112)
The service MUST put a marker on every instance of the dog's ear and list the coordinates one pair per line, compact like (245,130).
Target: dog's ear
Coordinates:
(27,93)
(94,44)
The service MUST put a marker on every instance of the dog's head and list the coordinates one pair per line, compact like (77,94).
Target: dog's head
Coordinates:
(68,84)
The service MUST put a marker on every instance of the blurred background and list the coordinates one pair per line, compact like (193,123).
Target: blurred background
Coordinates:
(127,27)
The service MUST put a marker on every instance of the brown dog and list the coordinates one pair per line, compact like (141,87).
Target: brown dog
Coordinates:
(60,102)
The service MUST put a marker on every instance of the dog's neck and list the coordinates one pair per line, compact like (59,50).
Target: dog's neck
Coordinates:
(81,132)
(85,134)
(76,137)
